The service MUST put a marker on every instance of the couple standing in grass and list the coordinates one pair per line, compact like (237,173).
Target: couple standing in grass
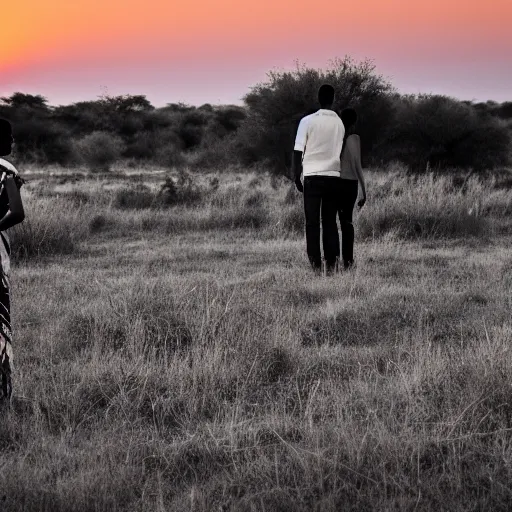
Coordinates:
(327,153)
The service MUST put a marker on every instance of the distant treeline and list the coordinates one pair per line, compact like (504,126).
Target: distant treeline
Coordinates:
(421,131)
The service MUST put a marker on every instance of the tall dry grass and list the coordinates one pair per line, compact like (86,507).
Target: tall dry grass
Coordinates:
(52,226)
(425,207)
(205,368)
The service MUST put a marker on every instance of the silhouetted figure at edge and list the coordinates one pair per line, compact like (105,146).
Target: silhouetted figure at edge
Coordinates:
(11,213)
(351,177)
(316,155)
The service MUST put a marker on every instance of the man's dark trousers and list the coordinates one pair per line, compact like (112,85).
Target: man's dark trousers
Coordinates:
(320,202)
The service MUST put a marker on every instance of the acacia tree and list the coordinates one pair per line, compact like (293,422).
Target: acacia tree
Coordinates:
(127,103)
(39,137)
(276,106)
(21,101)
(99,150)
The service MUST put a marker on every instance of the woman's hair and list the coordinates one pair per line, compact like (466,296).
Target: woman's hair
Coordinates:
(6,131)
(349,117)
(5,127)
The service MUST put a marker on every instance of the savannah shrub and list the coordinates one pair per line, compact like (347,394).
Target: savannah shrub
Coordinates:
(440,132)
(275,108)
(230,117)
(43,141)
(99,150)
(181,190)
(167,148)
(191,128)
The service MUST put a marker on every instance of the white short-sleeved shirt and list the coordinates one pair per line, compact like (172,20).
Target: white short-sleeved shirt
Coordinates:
(8,165)
(320,138)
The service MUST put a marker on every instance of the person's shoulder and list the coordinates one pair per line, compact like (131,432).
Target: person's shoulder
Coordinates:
(353,143)
(7,165)
(337,120)
(308,117)
(304,121)
(307,121)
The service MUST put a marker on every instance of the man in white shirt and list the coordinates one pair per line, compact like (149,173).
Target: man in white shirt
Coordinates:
(316,155)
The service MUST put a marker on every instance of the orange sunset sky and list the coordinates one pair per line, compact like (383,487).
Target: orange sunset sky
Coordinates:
(199,51)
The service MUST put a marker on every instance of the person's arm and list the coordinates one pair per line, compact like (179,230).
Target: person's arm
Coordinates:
(298,152)
(16,213)
(297,168)
(359,169)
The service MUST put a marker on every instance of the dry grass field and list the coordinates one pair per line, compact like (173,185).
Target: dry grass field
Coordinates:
(184,358)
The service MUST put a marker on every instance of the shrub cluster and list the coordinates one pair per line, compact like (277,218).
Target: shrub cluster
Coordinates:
(97,133)
(439,132)
(425,131)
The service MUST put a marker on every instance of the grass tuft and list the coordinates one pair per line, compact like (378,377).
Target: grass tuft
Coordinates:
(51,227)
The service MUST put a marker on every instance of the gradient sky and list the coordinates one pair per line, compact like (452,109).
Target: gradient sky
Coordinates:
(213,51)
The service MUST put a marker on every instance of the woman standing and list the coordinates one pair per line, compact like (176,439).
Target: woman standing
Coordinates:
(351,176)
(11,213)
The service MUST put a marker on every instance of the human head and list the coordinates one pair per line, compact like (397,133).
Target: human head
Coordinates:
(6,139)
(326,96)
(349,119)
